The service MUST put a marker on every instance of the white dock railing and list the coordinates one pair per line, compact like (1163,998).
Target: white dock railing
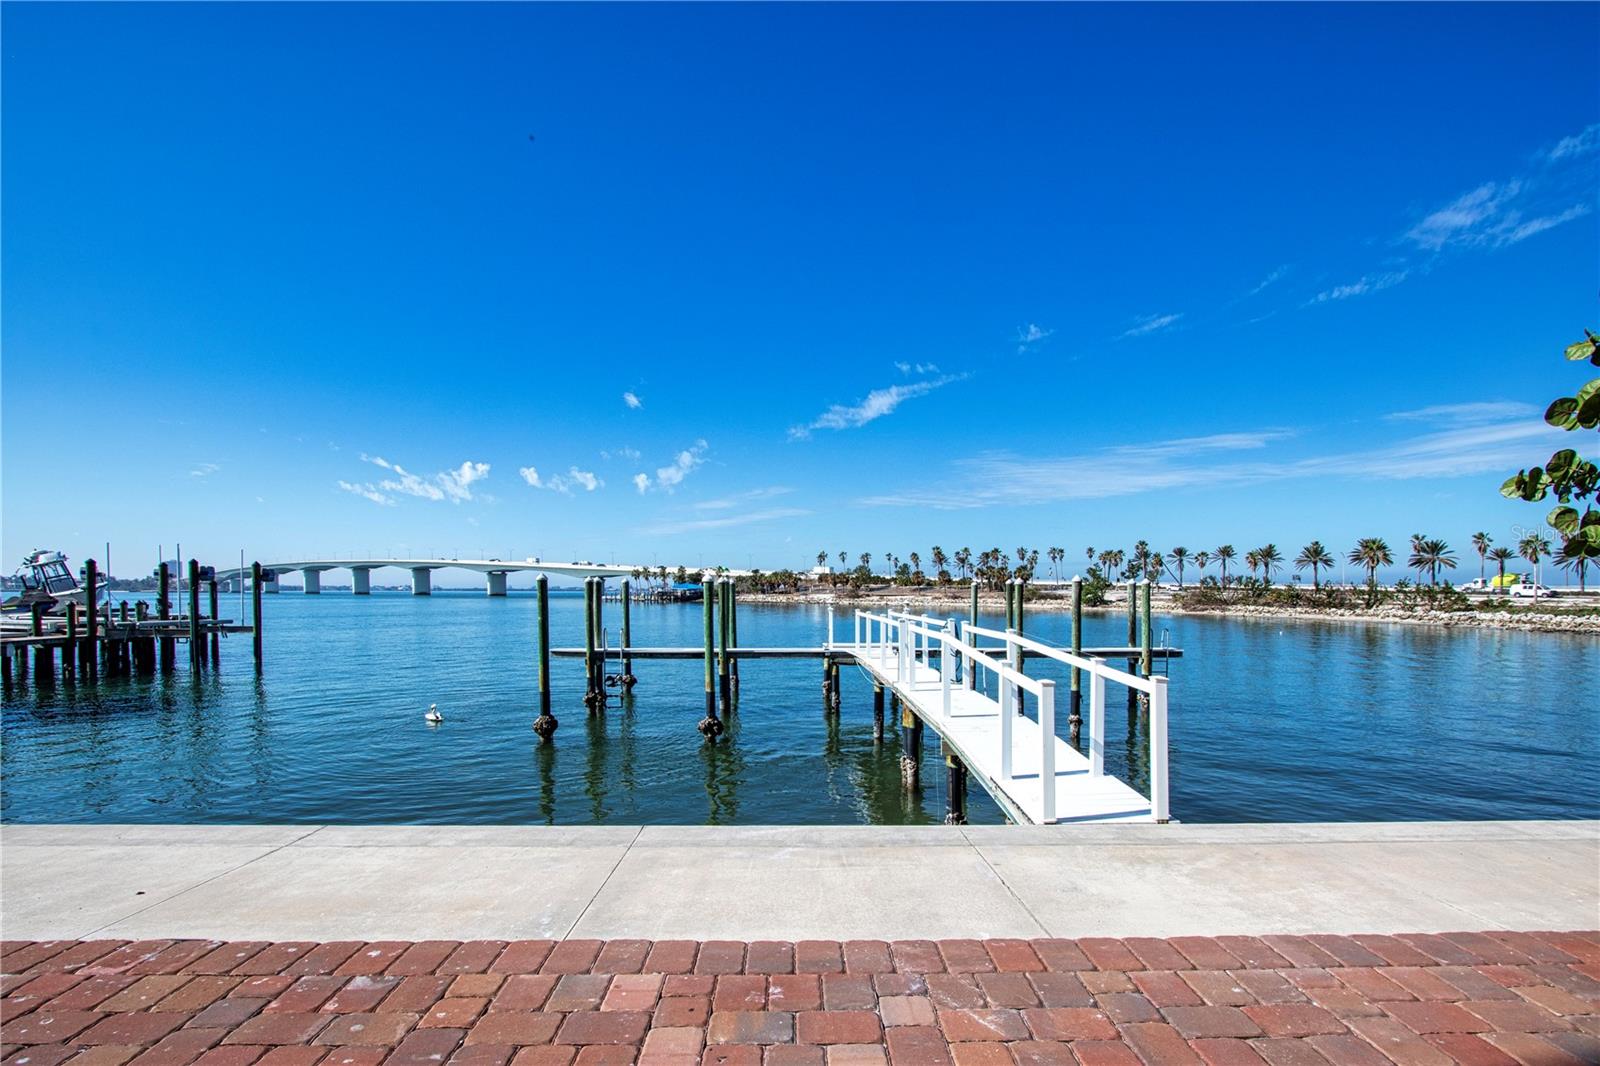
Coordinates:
(909,640)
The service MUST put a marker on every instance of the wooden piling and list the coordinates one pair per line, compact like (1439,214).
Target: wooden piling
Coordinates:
(5,669)
(970,677)
(628,680)
(544,725)
(91,644)
(169,646)
(1146,630)
(956,792)
(910,748)
(44,661)
(710,726)
(216,637)
(877,710)
(724,632)
(195,651)
(69,650)
(1075,711)
(1133,638)
(255,611)
(1017,623)
(593,693)
(733,630)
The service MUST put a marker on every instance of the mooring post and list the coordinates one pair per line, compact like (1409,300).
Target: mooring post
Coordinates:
(216,637)
(1146,630)
(910,747)
(164,613)
(628,680)
(1133,640)
(836,684)
(593,694)
(69,650)
(724,633)
(44,663)
(733,629)
(91,647)
(710,726)
(5,668)
(1022,586)
(194,612)
(255,610)
(955,812)
(1075,706)
(877,710)
(545,724)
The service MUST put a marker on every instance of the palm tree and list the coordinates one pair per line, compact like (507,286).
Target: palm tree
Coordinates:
(1480,544)
(1202,559)
(1114,560)
(1416,543)
(1270,559)
(1141,558)
(1156,566)
(1179,555)
(916,567)
(1056,555)
(1252,559)
(1430,554)
(1224,556)
(964,561)
(866,561)
(1372,552)
(1315,556)
(843,559)
(940,559)
(822,558)
(1501,556)
(1533,547)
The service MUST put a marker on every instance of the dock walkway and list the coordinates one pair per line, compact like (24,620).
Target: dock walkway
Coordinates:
(1033,774)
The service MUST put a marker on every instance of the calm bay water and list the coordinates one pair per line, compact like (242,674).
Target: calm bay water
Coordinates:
(1270,721)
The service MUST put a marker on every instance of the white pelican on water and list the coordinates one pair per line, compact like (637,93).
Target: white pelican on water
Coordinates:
(433,714)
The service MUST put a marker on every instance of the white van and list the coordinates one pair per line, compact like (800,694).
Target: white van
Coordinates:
(1530,590)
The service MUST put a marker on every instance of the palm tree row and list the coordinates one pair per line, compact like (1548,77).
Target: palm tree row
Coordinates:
(992,567)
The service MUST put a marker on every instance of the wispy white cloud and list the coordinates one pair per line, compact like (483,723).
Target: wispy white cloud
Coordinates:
(366,492)
(729,502)
(875,405)
(1473,412)
(1578,144)
(917,368)
(562,483)
(1367,283)
(1152,324)
(1273,277)
(630,454)
(669,477)
(633,401)
(1029,335)
(454,485)
(1004,478)
(203,470)
(693,525)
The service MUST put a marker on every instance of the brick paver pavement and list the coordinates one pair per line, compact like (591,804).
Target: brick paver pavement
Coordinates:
(1489,998)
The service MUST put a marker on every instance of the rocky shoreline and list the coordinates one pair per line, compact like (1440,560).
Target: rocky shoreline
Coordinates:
(932,601)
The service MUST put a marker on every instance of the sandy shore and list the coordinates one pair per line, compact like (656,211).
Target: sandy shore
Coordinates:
(934,601)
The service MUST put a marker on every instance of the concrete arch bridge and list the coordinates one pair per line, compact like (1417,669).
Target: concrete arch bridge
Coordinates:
(495,572)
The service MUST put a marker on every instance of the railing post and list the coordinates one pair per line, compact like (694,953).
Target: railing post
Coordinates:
(860,628)
(1006,744)
(1097,723)
(827,641)
(1158,749)
(1047,751)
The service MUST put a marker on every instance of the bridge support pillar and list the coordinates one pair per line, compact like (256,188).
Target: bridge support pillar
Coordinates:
(361,581)
(955,810)
(270,586)
(421,581)
(313,582)
(497,582)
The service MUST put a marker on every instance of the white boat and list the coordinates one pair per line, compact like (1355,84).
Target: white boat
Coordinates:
(46,579)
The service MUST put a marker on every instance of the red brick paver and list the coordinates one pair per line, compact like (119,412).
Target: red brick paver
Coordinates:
(1495,997)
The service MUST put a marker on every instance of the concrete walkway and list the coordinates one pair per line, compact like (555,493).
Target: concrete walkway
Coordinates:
(792,883)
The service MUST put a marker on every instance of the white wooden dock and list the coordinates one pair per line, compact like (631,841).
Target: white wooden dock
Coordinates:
(1035,776)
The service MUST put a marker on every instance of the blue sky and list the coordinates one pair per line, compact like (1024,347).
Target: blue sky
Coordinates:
(772,279)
